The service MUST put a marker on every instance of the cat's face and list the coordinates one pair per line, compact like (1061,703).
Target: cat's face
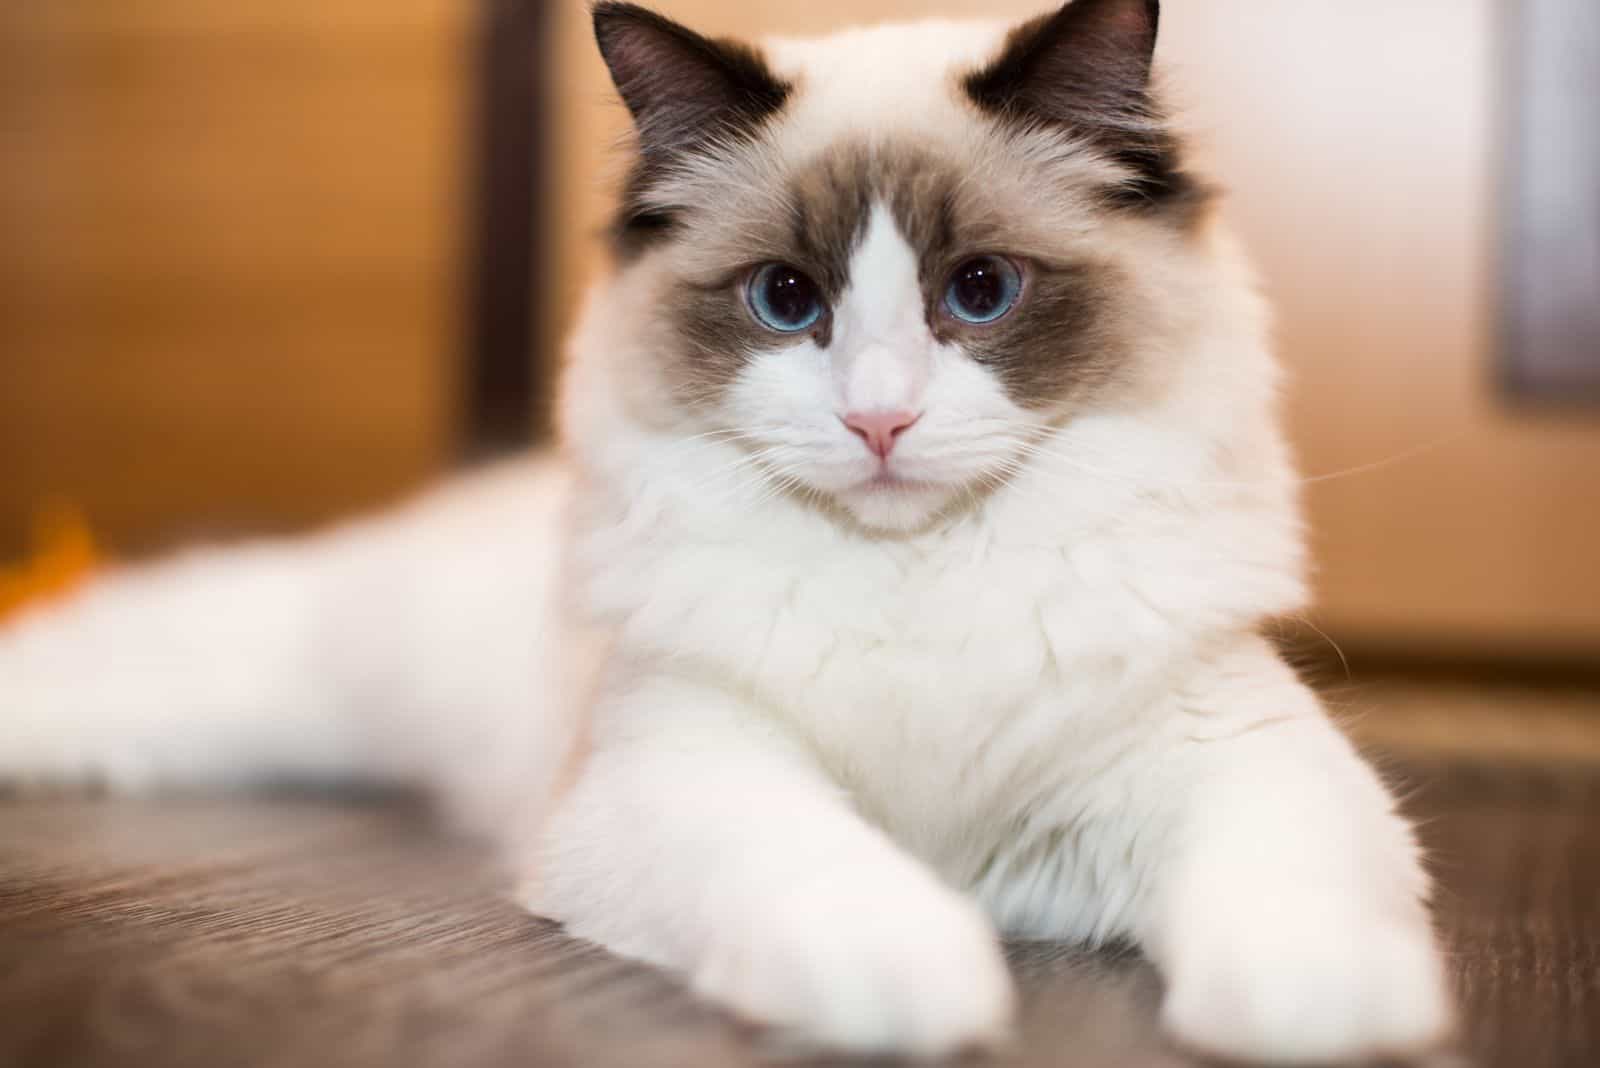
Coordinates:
(883,263)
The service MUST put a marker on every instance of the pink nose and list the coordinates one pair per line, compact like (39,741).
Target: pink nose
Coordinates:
(880,429)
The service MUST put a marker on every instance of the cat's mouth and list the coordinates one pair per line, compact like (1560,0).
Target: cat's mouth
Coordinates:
(893,502)
(886,481)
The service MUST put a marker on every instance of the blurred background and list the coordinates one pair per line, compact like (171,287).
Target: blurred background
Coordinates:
(266,262)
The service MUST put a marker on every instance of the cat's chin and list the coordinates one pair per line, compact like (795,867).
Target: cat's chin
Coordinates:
(895,506)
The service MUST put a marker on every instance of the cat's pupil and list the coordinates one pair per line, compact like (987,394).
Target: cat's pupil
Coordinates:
(980,287)
(790,295)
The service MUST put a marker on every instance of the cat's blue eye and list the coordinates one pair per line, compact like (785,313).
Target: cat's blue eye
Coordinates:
(983,289)
(784,299)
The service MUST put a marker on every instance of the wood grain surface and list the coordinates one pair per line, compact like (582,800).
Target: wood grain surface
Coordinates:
(336,932)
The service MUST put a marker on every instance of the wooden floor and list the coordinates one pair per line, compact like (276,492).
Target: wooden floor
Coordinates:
(328,932)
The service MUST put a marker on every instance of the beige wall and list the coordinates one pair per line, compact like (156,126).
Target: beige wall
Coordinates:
(1358,140)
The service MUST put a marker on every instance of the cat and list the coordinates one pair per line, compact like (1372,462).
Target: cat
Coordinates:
(898,584)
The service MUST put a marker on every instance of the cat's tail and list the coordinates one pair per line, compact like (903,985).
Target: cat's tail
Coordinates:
(422,646)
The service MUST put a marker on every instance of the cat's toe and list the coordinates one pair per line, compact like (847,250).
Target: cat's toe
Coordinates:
(922,978)
(1333,994)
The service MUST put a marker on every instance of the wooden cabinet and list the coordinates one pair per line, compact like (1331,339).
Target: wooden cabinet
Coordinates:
(229,274)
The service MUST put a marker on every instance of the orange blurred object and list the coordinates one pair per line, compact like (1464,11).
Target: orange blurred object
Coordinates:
(63,555)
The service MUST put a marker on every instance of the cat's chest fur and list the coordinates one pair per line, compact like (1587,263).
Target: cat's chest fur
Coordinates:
(964,689)
(856,641)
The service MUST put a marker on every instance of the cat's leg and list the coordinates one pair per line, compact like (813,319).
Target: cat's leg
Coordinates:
(417,646)
(200,670)
(1289,919)
(698,837)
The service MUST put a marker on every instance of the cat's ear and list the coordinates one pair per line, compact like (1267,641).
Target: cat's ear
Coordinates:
(682,89)
(1086,68)
(1087,62)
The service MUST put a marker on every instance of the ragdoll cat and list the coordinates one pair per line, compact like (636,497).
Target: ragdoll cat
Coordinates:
(899,585)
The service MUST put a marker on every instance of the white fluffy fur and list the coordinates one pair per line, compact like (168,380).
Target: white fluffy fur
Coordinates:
(816,763)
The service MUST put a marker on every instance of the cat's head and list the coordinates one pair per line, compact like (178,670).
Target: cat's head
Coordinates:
(884,262)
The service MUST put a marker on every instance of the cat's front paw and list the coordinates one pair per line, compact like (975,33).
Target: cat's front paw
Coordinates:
(1314,993)
(909,973)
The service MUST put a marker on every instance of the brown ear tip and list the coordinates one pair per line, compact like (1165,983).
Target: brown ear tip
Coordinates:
(611,17)
(606,11)
(1152,12)
(1152,8)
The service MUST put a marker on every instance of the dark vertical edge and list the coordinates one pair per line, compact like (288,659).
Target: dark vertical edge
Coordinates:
(505,375)
(1548,330)
(1507,77)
